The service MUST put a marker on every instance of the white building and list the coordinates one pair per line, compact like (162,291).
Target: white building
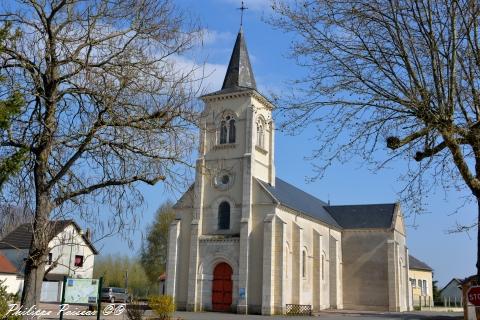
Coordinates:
(451,294)
(246,241)
(421,281)
(9,276)
(71,254)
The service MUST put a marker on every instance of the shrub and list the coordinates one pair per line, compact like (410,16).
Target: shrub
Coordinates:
(163,306)
(5,300)
(135,310)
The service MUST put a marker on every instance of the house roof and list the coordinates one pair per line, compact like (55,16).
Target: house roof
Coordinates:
(365,216)
(469,280)
(21,237)
(457,280)
(414,263)
(6,266)
(294,198)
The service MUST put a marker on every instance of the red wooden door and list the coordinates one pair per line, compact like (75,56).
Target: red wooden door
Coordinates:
(222,287)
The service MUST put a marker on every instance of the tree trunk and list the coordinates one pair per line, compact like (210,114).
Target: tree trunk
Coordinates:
(477,282)
(32,287)
(36,259)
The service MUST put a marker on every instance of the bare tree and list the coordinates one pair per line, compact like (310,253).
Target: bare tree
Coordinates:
(106,108)
(394,73)
(13,216)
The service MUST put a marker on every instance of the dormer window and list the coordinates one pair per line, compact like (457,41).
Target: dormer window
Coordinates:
(227,130)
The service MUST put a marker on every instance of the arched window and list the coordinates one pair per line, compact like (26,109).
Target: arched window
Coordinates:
(227,130)
(260,135)
(231,131)
(223,132)
(304,263)
(224,216)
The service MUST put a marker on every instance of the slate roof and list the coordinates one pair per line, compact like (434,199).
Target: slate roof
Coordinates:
(458,281)
(6,266)
(366,216)
(239,71)
(21,237)
(294,198)
(239,76)
(414,263)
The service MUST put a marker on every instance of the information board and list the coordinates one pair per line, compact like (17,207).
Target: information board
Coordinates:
(81,291)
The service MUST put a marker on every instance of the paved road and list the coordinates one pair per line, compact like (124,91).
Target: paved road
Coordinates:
(325,316)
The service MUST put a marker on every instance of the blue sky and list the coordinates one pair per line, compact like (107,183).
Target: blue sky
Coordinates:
(450,255)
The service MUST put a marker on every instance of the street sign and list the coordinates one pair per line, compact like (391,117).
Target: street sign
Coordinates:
(473,296)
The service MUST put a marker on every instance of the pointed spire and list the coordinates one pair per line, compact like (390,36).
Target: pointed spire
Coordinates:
(239,72)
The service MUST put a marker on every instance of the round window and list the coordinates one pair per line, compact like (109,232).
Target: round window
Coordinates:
(225,179)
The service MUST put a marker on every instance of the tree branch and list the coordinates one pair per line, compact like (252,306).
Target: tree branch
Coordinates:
(395,142)
(151,181)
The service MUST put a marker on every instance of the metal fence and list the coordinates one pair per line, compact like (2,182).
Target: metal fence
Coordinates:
(299,310)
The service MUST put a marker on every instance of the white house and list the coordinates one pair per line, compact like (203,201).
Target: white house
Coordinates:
(421,280)
(247,241)
(9,276)
(451,294)
(71,254)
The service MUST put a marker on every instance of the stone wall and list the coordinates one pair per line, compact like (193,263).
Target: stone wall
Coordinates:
(365,269)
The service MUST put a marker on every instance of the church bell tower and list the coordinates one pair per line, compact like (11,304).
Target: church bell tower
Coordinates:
(237,121)
(236,147)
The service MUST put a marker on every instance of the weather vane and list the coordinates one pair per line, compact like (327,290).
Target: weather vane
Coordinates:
(242,8)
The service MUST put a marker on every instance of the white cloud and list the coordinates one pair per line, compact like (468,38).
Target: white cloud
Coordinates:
(214,36)
(209,76)
(205,37)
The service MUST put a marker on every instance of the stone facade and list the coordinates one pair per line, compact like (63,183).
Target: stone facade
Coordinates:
(421,282)
(278,252)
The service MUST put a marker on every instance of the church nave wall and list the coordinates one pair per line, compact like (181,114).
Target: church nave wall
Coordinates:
(313,284)
(365,251)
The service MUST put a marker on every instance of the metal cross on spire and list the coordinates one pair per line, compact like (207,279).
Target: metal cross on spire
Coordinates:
(242,8)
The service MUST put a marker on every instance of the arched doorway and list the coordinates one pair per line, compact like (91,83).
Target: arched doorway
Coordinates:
(222,287)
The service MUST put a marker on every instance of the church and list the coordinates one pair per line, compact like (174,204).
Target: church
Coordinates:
(246,241)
